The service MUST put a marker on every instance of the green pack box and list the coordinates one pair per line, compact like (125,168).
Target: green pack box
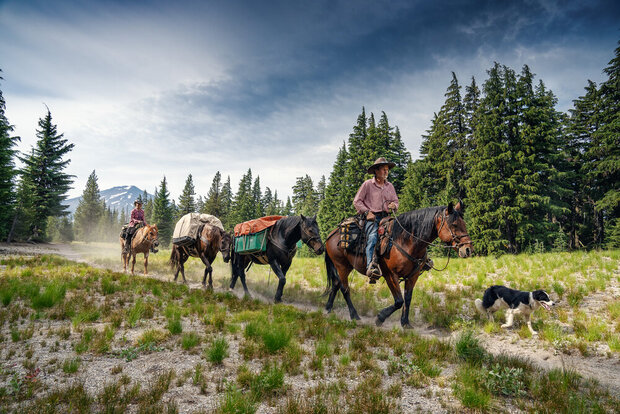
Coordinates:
(251,243)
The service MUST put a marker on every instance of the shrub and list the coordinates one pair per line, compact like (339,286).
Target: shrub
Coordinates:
(468,348)
(190,340)
(275,337)
(507,381)
(71,366)
(236,402)
(218,351)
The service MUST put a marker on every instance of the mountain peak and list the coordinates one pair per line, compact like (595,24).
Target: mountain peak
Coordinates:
(118,198)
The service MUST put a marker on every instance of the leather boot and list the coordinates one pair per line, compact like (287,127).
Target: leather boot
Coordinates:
(373,271)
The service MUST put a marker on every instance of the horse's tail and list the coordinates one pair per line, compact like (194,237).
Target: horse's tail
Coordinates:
(332,274)
(174,258)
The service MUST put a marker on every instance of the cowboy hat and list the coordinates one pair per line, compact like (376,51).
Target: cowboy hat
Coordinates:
(378,163)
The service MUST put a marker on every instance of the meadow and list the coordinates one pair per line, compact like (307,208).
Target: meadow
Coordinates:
(83,337)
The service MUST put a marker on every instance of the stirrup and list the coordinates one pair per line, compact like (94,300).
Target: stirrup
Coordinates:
(373,272)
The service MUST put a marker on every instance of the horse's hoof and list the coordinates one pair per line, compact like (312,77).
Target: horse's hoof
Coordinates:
(378,322)
(277,301)
(210,288)
(407,326)
(357,318)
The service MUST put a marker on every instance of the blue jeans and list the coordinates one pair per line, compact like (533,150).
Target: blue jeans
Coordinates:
(371,239)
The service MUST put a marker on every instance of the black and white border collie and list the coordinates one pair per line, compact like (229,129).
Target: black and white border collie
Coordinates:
(516,301)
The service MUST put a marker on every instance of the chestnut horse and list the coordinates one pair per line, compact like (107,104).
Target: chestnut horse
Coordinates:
(404,258)
(211,240)
(282,241)
(143,240)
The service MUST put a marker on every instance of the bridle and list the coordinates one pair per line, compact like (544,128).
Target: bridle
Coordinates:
(456,237)
(147,234)
(309,239)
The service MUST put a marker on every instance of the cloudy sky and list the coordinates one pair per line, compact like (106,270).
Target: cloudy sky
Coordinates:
(149,88)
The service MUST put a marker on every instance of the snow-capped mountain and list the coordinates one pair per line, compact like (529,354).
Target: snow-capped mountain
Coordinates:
(117,198)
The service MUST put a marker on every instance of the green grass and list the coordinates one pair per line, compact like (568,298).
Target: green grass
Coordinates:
(217,351)
(94,313)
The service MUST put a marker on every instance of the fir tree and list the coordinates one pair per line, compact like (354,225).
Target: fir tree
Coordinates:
(213,202)
(604,152)
(244,206)
(288,207)
(8,172)
(583,121)
(257,199)
(89,210)
(304,197)
(44,173)
(187,204)
(163,213)
(227,204)
(335,206)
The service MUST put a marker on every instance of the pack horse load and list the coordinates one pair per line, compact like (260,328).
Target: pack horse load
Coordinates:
(272,240)
(202,236)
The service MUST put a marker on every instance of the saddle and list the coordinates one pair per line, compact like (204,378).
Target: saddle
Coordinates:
(384,244)
(352,235)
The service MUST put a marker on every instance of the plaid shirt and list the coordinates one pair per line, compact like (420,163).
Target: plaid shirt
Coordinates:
(375,198)
(137,216)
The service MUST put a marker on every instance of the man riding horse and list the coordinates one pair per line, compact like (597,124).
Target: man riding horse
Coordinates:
(137,218)
(376,198)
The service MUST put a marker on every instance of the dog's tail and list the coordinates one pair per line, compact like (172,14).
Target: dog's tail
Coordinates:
(478,303)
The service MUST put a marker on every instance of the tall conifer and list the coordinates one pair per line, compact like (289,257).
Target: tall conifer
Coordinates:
(8,172)
(89,211)
(44,173)
(163,213)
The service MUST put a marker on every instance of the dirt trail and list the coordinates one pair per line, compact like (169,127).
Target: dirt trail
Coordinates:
(604,369)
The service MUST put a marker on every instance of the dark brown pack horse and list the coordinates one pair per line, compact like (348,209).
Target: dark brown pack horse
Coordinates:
(211,240)
(143,240)
(412,233)
(281,247)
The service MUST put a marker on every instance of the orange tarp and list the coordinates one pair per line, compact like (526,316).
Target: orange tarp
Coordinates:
(256,225)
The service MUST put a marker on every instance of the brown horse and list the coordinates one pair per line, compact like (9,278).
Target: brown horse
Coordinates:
(143,240)
(211,240)
(404,258)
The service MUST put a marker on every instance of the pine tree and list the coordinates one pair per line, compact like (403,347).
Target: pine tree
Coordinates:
(489,198)
(213,202)
(163,213)
(43,172)
(257,199)
(89,211)
(604,152)
(244,206)
(398,154)
(304,197)
(8,172)
(320,190)
(187,204)
(227,205)
(288,207)
(335,206)
(581,221)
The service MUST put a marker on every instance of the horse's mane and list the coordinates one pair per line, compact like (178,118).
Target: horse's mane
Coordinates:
(420,223)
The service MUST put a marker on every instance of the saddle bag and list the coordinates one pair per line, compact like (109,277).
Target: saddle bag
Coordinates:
(251,243)
(350,234)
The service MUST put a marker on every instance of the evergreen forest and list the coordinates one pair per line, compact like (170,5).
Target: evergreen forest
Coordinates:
(532,178)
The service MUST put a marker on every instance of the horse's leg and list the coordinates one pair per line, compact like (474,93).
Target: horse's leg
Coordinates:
(392,282)
(146,263)
(208,270)
(281,279)
(133,261)
(409,284)
(182,259)
(246,291)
